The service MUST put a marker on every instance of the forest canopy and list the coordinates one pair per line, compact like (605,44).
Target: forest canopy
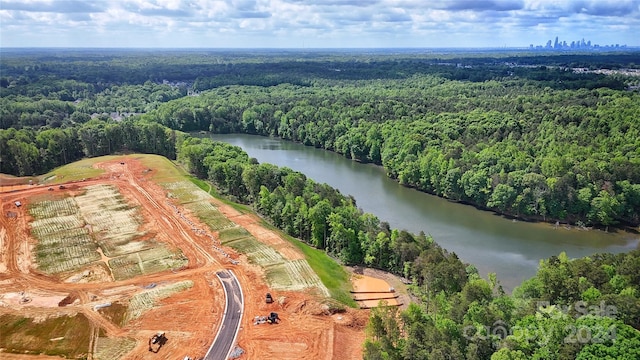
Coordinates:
(524,135)
(528,136)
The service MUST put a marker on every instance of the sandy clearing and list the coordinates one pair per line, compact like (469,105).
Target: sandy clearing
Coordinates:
(398,283)
(369,291)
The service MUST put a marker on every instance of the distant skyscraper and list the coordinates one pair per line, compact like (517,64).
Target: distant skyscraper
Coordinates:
(580,44)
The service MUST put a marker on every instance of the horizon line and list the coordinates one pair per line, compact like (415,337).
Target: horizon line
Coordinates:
(529,48)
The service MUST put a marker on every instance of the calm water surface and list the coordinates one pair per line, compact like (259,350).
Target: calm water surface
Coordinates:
(512,249)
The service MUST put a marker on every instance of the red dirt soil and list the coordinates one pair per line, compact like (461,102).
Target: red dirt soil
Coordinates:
(368,291)
(189,318)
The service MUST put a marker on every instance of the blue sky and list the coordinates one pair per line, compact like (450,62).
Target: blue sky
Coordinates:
(315,23)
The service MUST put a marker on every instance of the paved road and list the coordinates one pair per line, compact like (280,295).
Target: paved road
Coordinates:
(228,331)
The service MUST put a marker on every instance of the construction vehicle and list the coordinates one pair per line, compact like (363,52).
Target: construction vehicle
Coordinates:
(273,318)
(269,299)
(159,340)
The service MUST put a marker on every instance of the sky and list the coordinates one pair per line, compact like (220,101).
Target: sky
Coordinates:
(315,23)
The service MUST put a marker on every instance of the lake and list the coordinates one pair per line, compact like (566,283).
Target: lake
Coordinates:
(511,249)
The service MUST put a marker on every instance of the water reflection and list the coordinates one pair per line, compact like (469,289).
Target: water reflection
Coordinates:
(512,249)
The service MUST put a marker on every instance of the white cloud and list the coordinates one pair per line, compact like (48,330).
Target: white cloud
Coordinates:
(322,23)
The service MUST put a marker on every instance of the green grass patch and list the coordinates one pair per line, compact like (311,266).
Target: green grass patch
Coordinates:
(115,313)
(203,185)
(257,252)
(210,215)
(164,170)
(241,208)
(334,277)
(185,191)
(65,336)
(82,169)
(211,190)
(113,348)
(147,261)
(231,234)
(64,243)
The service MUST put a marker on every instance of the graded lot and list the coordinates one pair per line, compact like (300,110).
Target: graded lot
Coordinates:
(134,251)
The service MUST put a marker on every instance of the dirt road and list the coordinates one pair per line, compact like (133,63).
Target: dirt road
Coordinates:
(190,318)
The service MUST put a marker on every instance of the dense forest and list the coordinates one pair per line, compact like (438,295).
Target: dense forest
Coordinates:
(558,155)
(582,308)
(522,135)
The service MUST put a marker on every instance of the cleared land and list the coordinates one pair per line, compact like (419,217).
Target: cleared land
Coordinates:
(369,292)
(126,248)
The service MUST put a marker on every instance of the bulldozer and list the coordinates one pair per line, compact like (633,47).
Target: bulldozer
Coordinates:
(158,340)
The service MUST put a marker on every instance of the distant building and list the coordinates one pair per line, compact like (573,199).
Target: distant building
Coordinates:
(580,44)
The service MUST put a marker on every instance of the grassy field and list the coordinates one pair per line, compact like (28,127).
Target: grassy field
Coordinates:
(64,243)
(144,262)
(334,277)
(231,234)
(65,336)
(281,273)
(115,313)
(294,275)
(69,231)
(78,170)
(210,215)
(166,171)
(257,252)
(113,348)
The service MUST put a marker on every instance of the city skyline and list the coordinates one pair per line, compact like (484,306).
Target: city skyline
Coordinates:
(580,44)
(315,23)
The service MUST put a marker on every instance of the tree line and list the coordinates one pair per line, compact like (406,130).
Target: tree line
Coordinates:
(532,142)
(529,152)
(593,302)
(586,308)
(27,152)
(460,315)
(320,215)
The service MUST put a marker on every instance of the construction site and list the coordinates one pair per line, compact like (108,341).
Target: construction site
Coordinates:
(120,265)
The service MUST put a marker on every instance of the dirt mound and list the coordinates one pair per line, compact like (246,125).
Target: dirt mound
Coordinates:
(68,300)
(307,307)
